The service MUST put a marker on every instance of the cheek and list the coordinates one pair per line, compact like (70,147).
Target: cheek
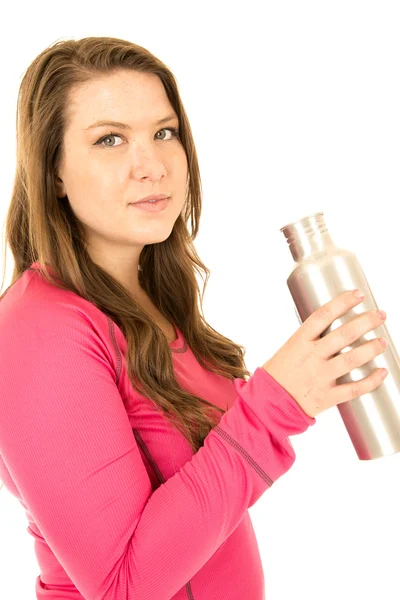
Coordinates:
(93,202)
(100,219)
(182,159)
(96,188)
(95,169)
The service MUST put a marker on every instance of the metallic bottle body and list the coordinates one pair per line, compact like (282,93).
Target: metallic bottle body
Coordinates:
(323,272)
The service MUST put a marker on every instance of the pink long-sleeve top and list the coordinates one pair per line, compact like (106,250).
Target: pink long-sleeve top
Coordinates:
(119,506)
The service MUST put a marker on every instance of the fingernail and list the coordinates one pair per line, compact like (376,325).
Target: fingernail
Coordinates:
(358,294)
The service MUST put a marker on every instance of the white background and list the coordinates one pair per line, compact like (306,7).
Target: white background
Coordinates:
(295,109)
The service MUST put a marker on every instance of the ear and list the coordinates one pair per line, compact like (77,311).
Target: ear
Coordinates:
(60,188)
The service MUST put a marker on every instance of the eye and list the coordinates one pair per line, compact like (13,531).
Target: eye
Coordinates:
(106,137)
(174,131)
(174,134)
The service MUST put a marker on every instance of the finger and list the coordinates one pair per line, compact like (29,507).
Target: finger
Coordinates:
(348,391)
(347,361)
(347,334)
(323,317)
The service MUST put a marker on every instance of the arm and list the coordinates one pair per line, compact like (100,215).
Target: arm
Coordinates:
(68,443)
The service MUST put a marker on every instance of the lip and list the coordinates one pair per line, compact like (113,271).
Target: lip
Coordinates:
(152,197)
(151,207)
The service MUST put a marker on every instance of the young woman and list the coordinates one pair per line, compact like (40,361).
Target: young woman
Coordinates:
(130,430)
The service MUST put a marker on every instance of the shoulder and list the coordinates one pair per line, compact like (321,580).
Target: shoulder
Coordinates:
(34,312)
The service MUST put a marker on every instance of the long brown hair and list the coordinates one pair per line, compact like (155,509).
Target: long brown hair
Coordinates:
(40,228)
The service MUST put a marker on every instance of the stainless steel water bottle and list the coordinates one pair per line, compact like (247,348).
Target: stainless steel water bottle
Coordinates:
(321,273)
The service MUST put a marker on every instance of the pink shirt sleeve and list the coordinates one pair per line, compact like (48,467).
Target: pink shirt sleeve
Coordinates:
(67,441)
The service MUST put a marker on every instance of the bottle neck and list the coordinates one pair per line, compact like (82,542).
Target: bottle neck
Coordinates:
(307,237)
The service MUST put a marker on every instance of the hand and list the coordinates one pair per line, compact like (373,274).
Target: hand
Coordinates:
(306,365)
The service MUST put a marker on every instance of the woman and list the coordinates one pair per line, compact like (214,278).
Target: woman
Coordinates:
(130,430)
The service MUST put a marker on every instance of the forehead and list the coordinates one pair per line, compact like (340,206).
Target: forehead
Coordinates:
(128,96)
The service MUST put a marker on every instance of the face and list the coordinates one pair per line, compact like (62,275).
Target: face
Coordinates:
(102,176)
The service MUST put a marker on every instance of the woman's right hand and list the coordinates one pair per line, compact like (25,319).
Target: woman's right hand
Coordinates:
(306,365)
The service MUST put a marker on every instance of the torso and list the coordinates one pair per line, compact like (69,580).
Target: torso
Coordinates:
(166,326)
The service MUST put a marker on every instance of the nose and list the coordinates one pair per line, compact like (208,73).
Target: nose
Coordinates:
(146,163)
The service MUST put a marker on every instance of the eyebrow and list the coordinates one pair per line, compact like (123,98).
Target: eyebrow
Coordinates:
(124,125)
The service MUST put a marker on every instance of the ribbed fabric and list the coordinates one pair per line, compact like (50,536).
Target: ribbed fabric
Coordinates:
(117,503)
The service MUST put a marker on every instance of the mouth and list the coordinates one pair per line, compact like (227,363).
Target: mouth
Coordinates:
(152,198)
(152,206)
